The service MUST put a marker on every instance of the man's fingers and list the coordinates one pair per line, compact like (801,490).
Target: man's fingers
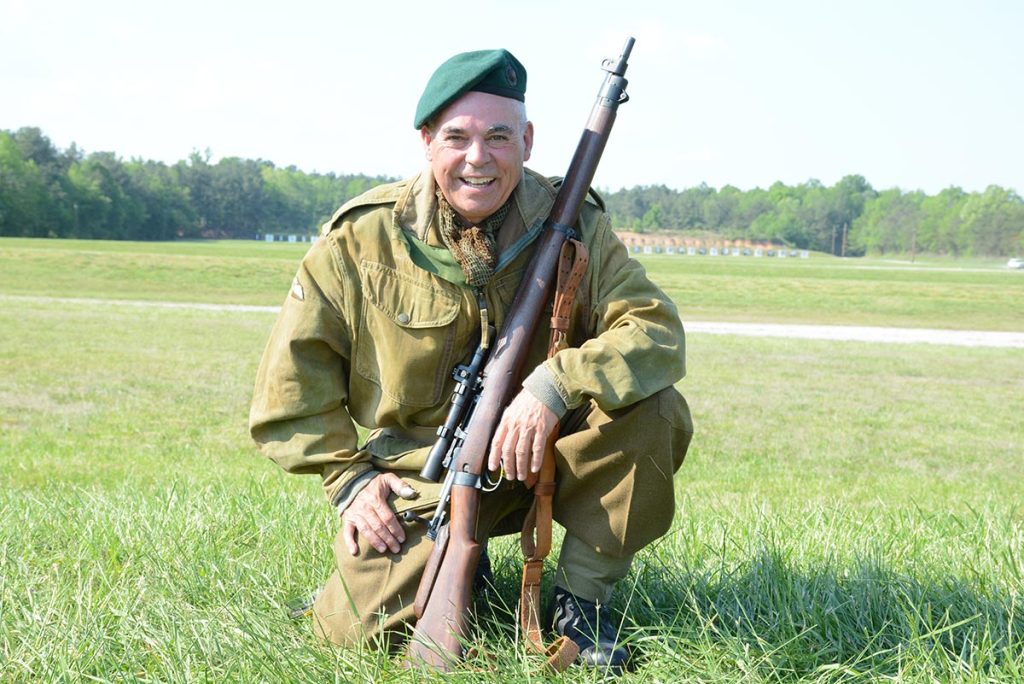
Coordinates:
(377,532)
(374,539)
(399,486)
(348,533)
(508,454)
(521,437)
(522,454)
(494,459)
(381,526)
(388,528)
(370,515)
(540,442)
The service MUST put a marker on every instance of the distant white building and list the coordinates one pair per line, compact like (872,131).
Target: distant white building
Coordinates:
(289,237)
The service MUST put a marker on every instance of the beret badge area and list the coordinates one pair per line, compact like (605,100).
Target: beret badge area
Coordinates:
(510,73)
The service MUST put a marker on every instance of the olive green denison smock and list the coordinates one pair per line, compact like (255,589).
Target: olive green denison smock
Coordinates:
(377,317)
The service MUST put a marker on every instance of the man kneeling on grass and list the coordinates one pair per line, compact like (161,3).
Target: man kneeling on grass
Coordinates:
(386,304)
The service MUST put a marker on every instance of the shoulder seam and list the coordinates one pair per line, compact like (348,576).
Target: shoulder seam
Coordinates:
(387,193)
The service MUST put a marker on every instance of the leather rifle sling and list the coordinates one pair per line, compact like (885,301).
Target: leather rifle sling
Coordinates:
(536,537)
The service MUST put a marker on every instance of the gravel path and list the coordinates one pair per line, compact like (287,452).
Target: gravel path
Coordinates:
(856,333)
(84,301)
(844,333)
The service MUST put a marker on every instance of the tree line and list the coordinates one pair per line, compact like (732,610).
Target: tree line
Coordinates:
(849,218)
(47,192)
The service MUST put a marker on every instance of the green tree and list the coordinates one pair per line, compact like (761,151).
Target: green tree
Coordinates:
(994,220)
(35,147)
(890,223)
(166,206)
(782,224)
(941,230)
(23,192)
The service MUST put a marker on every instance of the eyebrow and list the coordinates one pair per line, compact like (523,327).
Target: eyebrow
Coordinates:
(497,128)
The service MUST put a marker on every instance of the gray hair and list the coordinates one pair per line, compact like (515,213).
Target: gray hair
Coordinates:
(520,108)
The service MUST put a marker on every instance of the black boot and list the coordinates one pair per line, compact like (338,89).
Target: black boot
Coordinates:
(483,578)
(483,587)
(589,625)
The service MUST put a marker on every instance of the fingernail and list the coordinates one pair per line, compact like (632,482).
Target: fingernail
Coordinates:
(407,492)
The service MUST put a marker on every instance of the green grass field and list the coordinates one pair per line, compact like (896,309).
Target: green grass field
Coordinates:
(978,295)
(847,512)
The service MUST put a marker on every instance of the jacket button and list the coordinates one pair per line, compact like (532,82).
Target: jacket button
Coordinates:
(403,318)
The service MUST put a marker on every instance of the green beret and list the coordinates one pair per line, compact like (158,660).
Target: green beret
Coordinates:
(496,72)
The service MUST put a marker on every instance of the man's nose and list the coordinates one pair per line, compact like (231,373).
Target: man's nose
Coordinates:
(477,153)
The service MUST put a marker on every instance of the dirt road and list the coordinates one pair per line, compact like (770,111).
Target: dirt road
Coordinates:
(839,333)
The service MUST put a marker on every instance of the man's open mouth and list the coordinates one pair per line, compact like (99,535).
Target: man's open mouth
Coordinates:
(477,182)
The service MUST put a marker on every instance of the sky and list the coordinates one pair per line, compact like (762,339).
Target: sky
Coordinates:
(909,94)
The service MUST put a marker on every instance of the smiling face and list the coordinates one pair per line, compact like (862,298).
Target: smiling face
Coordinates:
(476,147)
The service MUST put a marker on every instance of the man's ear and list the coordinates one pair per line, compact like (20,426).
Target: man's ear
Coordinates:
(527,140)
(426,137)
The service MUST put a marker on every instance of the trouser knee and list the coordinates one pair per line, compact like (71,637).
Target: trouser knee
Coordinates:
(616,469)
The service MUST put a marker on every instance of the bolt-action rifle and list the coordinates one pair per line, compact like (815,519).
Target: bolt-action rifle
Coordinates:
(444,594)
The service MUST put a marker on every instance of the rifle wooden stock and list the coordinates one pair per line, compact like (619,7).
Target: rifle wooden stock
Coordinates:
(440,632)
(430,572)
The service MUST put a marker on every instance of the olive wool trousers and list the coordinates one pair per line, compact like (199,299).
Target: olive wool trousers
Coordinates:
(614,496)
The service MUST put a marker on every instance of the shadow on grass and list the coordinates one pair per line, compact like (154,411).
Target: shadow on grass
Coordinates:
(769,618)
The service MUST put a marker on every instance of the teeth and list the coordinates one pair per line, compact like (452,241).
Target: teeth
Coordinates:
(478,181)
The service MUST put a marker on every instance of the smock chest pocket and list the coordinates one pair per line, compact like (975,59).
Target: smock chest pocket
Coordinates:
(406,342)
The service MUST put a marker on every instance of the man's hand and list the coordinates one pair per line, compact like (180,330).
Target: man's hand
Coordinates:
(518,444)
(370,515)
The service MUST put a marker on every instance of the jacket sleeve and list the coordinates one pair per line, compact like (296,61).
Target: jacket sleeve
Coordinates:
(636,344)
(299,415)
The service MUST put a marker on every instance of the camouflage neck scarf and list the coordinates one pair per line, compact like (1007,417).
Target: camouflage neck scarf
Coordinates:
(474,247)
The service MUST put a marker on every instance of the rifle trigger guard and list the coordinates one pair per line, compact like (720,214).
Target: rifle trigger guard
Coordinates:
(489,485)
